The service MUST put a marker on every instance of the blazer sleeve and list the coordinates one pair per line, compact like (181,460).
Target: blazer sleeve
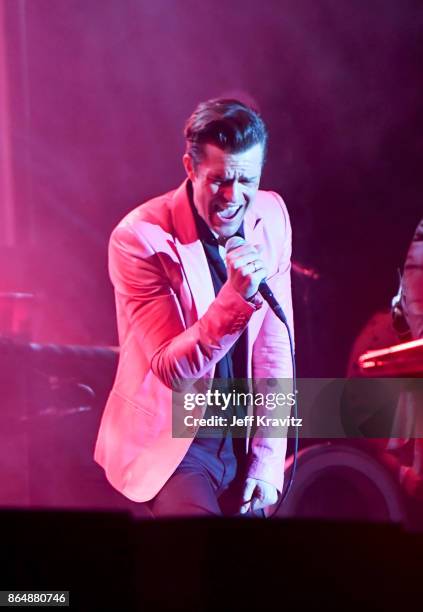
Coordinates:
(272,359)
(150,310)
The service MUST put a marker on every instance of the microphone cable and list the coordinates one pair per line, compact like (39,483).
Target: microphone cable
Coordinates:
(280,314)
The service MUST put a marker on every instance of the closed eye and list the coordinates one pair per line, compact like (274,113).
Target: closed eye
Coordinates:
(243,181)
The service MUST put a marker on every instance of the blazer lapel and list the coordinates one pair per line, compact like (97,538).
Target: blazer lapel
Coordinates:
(253,227)
(191,252)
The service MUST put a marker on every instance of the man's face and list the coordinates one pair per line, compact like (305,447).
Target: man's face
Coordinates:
(224,185)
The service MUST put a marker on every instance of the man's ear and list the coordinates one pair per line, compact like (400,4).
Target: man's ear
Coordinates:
(189,166)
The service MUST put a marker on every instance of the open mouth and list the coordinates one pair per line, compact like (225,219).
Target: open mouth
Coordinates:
(228,213)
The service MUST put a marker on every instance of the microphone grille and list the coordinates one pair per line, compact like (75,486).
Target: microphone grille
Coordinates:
(234,243)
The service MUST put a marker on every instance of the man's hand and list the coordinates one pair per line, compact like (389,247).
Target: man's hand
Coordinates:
(257,494)
(246,269)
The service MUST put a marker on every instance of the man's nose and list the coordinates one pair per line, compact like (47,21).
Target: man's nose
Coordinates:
(231,192)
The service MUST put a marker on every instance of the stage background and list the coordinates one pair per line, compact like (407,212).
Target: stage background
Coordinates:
(94,95)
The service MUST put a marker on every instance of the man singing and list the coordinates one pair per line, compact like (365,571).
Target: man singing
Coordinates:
(189,309)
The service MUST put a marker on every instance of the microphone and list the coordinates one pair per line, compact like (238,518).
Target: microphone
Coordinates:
(263,288)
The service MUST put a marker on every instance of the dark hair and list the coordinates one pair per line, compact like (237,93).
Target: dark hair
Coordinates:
(227,123)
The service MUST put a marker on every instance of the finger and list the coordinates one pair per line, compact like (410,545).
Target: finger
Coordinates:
(258,504)
(237,264)
(256,265)
(245,507)
(255,271)
(268,497)
(258,499)
(255,505)
(243,251)
(248,266)
(247,494)
(244,248)
(250,485)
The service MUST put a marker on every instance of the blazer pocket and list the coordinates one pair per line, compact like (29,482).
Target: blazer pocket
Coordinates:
(135,405)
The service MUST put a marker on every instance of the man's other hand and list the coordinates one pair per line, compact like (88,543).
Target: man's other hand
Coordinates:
(257,494)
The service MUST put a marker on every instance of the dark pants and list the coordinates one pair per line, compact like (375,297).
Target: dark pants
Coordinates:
(208,482)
